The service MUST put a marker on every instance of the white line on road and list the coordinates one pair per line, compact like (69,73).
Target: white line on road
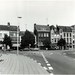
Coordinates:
(39,63)
(44,57)
(51,74)
(48,65)
(35,61)
(50,68)
(45,68)
(50,53)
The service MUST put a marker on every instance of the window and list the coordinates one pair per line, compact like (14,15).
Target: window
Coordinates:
(47,35)
(67,34)
(73,41)
(70,40)
(60,36)
(41,34)
(55,39)
(44,34)
(70,34)
(67,40)
(64,34)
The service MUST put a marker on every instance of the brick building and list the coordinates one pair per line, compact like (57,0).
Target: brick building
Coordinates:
(42,32)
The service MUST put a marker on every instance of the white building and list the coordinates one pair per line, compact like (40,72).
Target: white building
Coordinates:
(64,32)
(10,31)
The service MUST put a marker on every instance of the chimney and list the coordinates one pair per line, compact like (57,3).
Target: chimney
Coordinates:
(47,24)
(34,23)
(8,24)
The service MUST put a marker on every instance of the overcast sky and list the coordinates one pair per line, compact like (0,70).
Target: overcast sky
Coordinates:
(37,11)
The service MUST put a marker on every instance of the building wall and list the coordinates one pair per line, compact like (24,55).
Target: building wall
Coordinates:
(41,36)
(13,35)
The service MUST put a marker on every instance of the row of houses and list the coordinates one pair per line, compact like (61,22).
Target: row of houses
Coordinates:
(42,32)
(54,33)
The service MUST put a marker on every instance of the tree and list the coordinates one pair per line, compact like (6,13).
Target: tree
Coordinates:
(7,41)
(61,43)
(27,38)
(46,43)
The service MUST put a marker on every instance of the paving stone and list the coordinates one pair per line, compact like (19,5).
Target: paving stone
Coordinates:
(19,64)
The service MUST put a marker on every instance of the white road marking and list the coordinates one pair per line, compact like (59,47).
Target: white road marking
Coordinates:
(48,65)
(45,68)
(39,63)
(51,74)
(46,62)
(44,57)
(50,68)
(50,53)
(35,61)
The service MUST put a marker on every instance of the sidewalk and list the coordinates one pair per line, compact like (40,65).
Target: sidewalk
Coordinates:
(19,64)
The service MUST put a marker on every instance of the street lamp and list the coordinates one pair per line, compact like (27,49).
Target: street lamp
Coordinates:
(18,37)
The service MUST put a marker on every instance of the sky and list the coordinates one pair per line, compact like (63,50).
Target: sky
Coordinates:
(42,12)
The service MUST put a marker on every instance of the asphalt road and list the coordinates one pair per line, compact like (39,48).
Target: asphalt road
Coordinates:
(60,62)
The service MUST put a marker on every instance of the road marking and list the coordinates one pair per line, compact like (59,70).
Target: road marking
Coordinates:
(39,63)
(50,53)
(50,68)
(45,68)
(44,57)
(46,62)
(51,74)
(35,61)
(48,65)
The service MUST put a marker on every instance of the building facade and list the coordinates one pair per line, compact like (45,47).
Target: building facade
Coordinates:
(55,33)
(10,31)
(41,32)
(64,32)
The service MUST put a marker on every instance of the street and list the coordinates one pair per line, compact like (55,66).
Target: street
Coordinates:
(60,61)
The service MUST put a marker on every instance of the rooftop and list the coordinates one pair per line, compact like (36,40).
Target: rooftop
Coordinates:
(8,28)
(65,28)
(42,27)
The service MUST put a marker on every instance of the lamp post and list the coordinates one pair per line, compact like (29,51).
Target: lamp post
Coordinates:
(18,37)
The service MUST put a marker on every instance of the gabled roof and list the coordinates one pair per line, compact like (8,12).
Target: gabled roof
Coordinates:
(42,27)
(65,28)
(8,28)
(52,27)
(13,28)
